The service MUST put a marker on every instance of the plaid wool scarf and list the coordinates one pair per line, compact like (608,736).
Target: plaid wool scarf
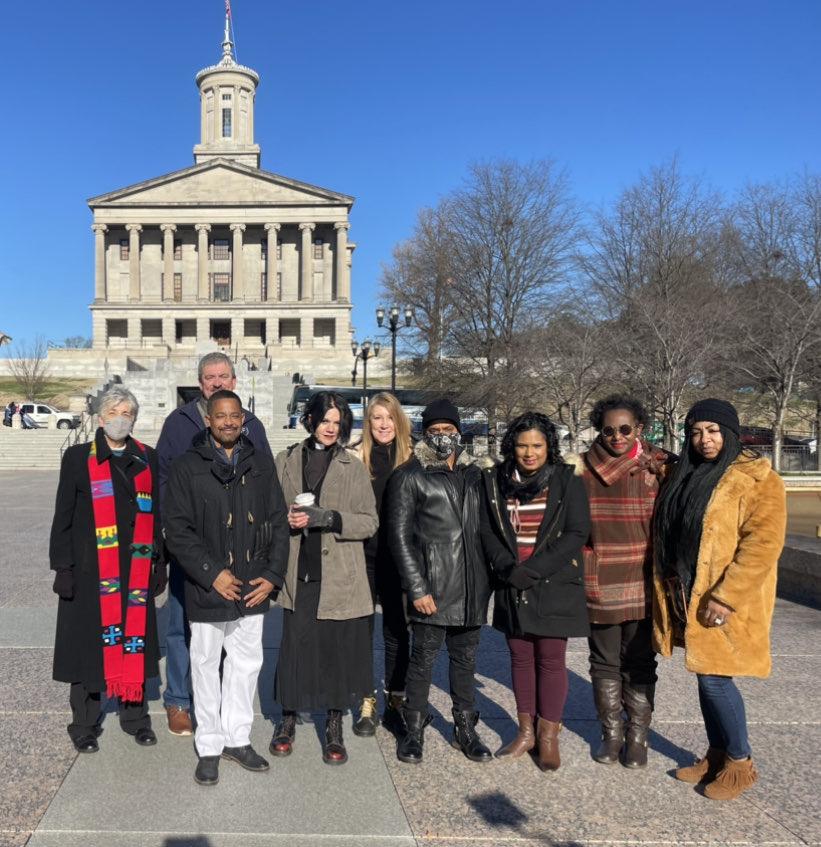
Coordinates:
(123,651)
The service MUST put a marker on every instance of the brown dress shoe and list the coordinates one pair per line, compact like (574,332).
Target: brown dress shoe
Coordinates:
(524,741)
(547,739)
(733,779)
(704,770)
(179,721)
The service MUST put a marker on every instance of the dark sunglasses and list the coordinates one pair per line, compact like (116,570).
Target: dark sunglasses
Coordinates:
(624,429)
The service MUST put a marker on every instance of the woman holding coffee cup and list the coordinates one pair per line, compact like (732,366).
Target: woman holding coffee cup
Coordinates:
(325,658)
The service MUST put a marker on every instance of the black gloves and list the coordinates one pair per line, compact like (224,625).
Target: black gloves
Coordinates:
(64,584)
(522,577)
(318,518)
(159,578)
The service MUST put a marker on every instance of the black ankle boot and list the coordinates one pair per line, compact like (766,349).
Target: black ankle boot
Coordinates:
(282,743)
(465,737)
(334,752)
(411,745)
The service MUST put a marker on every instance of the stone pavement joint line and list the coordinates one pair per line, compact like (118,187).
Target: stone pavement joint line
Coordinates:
(126,796)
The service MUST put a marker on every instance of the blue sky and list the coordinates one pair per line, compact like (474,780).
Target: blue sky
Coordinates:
(388,102)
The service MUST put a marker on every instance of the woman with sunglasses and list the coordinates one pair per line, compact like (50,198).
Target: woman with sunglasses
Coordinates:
(621,473)
(720,526)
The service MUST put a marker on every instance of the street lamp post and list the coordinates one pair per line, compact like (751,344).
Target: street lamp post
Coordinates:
(367,350)
(393,328)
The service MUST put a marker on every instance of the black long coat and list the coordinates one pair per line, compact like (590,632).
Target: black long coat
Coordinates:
(78,652)
(555,607)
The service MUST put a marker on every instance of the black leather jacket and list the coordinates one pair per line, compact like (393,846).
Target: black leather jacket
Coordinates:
(433,533)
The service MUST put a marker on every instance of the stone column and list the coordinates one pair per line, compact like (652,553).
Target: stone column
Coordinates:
(203,294)
(99,262)
(168,231)
(237,285)
(271,266)
(343,288)
(134,231)
(307,263)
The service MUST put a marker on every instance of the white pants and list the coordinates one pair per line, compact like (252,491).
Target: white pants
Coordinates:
(225,714)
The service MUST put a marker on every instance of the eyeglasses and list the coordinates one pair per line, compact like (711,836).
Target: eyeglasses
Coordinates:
(624,429)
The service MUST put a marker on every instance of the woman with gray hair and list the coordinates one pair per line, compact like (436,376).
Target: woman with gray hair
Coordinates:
(105,549)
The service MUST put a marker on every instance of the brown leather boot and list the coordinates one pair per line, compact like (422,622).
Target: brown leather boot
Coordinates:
(179,720)
(547,738)
(704,770)
(638,703)
(524,741)
(733,779)
(607,697)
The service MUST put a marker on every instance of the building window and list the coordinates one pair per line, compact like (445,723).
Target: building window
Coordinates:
(263,287)
(177,249)
(226,123)
(226,98)
(219,249)
(222,288)
(124,251)
(178,288)
(318,243)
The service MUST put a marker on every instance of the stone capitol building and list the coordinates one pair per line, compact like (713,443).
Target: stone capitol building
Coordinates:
(222,255)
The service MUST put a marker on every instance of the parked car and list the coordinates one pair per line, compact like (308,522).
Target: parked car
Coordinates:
(40,414)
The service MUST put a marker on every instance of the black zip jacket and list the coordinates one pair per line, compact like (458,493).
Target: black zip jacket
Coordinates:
(218,516)
(555,606)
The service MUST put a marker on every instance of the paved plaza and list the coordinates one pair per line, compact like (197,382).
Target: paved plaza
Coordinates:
(127,796)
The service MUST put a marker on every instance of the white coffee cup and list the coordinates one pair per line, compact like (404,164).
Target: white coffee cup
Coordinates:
(306,499)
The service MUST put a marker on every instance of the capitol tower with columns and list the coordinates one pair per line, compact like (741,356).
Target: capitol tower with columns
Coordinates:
(223,255)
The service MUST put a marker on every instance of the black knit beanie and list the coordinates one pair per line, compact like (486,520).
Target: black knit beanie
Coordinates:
(714,411)
(441,410)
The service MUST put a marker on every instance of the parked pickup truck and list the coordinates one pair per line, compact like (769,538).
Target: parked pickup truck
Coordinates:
(40,414)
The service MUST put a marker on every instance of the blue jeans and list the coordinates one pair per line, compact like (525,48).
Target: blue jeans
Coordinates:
(724,717)
(177,663)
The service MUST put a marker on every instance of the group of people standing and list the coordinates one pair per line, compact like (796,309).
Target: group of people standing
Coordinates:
(630,546)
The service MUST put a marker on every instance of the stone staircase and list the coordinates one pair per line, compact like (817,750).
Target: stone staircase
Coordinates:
(30,449)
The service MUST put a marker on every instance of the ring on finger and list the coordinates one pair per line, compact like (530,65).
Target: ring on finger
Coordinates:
(718,621)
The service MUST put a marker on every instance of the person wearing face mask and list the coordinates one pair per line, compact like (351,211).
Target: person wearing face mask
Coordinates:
(386,444)
(621,472)
(433,532)
(105,549)
(325,657)
(535,520)
(719,532)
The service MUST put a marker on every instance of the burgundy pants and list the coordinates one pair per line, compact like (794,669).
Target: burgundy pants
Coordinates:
(539,675)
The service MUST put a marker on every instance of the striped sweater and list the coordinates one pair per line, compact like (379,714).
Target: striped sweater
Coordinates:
(526,520)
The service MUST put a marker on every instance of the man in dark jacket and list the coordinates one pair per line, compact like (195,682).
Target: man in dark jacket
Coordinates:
(433,532)
(226,525)
(215,373)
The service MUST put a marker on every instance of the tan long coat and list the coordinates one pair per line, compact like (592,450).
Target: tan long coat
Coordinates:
(741,541)
(344,591)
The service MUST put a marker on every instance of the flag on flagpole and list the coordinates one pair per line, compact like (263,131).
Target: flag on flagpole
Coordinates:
(227,8)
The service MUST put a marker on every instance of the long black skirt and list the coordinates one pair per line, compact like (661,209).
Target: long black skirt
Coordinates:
(322,664)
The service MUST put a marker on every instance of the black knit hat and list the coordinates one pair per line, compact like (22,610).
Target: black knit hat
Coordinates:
(715,411)
(441,410)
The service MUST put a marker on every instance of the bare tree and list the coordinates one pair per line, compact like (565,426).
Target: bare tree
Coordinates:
(778,297)
(28,365)
(419,276)
(655,262)
(512,231)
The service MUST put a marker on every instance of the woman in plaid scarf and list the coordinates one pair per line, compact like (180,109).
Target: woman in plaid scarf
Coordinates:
(621,472)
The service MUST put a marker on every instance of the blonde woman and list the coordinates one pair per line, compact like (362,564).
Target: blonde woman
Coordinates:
(386,443)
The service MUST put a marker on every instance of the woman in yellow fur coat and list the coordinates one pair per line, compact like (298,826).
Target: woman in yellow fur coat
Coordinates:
(720,526)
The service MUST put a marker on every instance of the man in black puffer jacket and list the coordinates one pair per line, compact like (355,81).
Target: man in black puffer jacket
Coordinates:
(433,533)
(226,524)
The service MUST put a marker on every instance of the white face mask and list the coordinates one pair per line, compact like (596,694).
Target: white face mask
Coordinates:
(118,428)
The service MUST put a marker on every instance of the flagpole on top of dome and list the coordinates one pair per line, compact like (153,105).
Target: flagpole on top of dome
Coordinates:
(229,25)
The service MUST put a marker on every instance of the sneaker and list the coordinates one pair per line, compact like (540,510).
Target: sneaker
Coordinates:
(365,727)
(179,720)
(245,756)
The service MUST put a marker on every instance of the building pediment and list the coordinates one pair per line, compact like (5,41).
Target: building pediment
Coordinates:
(220,182)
